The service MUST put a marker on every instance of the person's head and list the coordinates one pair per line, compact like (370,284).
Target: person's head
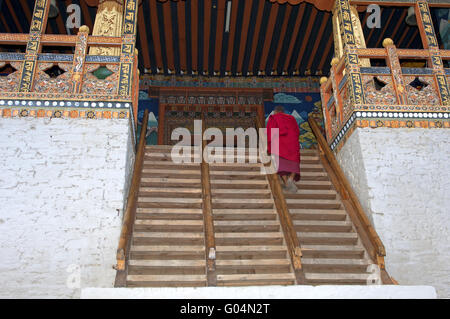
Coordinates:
(278,109)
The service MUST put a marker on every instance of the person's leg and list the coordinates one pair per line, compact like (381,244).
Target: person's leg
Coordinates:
(284,179)
(291,184)
(291,176)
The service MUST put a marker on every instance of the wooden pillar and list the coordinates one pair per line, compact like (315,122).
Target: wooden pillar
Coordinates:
(79,59)
(425,24)
(357,30)
(128,46)
(34,46)
(396,71)
(325,97)
(335,85)
(356,93)
(108,23)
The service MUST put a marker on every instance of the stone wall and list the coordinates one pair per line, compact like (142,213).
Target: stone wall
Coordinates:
(62,189)
(402,178)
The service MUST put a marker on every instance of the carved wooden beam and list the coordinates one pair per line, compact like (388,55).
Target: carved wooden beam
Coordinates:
(425,24)
(128,47)
(58,40)
(34,45)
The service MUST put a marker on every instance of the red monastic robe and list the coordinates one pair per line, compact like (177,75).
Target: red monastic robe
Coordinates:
(289,132)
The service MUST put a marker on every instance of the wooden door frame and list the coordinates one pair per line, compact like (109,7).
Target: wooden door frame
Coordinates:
(262,95)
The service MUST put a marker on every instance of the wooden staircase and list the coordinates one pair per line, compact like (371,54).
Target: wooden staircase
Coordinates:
(251,249)
(332,251)
(206,223)
(168,246)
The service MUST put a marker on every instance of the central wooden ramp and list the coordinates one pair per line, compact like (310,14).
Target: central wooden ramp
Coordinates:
(251,249)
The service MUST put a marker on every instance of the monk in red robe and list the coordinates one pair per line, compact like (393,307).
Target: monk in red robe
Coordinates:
(288,152)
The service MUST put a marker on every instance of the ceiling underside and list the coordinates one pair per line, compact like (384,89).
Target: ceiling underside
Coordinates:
(190,37)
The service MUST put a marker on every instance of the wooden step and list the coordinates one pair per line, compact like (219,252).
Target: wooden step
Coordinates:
(311,184)
(248,167)
(169,213)
(166,280)
(168,202)
(168,226)
(256,279)
(312,194)
(247,226)
(250,238)
(336,276)
(253,262)
(166,248)
(241,203)
(332,251)
(322,226)
(160,192)
(253,266)
(240,193)
(151,164)
(323,238)
(332,268)
(318,214)
(313,203)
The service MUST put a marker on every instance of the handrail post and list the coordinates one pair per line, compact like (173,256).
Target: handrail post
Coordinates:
(130,211)
(210,242)
(287,225)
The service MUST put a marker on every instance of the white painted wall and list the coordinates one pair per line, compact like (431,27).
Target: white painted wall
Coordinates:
(265,292)
(62,187)
(402,178)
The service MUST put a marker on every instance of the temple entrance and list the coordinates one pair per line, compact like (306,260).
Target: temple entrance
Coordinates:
(216,108)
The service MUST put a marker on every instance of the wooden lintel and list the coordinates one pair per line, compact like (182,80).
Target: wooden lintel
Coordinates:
(58,40)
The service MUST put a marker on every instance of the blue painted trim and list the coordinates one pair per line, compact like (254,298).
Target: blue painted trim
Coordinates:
(417,71)
(376,70)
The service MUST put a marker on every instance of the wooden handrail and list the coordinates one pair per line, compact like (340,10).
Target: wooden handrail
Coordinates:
(347,192)
(130,211)
(290,234)
(210,242)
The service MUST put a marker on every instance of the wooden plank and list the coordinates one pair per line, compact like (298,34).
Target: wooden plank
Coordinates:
(169,222)
(219,33)
(250,248)
(167,234)
(167,248)
(167,15)
(210,241)
(142,38)
(298,21)
(253,262)
(245,277)
(234,10)
(259,17)
(311,21)
(194,34)
(181,13)
(167,263)
(283,34)
(313,55)
(244,35)
(207,7)
(268,37)
(166,278)
(250,235)
(130,211)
